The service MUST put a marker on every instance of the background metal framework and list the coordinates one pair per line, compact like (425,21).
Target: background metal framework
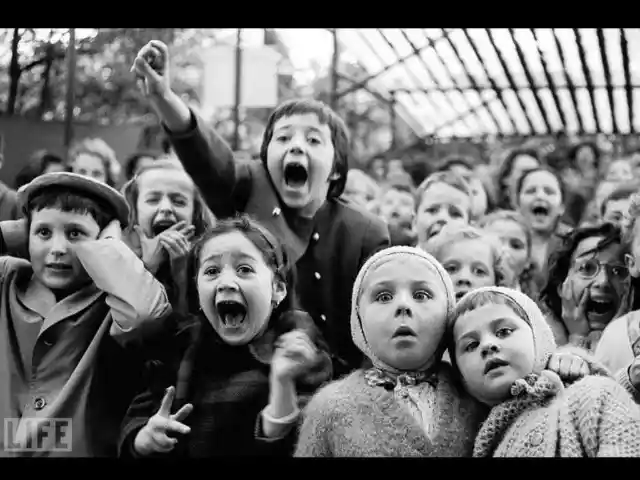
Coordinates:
(497,81)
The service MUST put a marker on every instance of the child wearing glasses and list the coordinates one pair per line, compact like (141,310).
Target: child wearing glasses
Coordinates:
(587,286)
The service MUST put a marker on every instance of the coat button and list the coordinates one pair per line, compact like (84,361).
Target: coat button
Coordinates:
(276,212)
(323,317)
(318,276)
(316,236)
(39,403)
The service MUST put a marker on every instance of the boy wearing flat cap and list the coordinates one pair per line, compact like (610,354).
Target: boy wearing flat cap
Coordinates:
(65,315)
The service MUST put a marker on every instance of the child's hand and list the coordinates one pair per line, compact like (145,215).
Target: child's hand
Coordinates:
(574,315)
(156,250)
(568,366)
(634,373)
(294,355)
(152,67)
(113,230)
(153,438)
(177,242)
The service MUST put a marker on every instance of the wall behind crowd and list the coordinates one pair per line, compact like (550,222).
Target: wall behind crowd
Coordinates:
(23,136)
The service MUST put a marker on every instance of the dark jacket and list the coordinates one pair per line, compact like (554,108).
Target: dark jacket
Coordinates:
(227,386)
(328,250)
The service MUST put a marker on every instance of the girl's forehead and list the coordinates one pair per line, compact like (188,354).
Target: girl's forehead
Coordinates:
(505,225)
(234,243)
(541,177)
(396,268)
(165,178)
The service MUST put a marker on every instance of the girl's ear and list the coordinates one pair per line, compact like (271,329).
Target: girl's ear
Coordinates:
(279,291)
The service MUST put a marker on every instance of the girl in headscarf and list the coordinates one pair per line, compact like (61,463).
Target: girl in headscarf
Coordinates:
(408,404)
(501,345)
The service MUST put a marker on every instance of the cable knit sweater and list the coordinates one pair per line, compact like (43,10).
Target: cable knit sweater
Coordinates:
(350,418)
(594,417)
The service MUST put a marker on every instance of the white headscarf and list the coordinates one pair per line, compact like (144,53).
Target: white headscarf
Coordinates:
(370,265)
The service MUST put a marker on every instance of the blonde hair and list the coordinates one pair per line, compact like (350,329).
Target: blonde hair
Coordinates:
(99,148)
(452,234)
(448,178)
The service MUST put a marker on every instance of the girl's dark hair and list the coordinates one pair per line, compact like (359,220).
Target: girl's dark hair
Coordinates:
(68,200)
(560,260)
(274,254)
(505,169)
(202,216)
(563,188)
(573,153)
(38,163)
(339,136)
(132,163)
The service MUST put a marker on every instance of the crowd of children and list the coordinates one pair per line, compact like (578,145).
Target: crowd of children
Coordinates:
(290,306)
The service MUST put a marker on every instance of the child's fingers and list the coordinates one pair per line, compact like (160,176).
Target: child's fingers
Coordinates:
(183,413)
(174,426)
(162,443)
(177,226)
(167,401)
(584,370)
(170,245)
(554,363)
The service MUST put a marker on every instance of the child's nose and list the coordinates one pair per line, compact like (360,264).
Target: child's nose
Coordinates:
(59,245)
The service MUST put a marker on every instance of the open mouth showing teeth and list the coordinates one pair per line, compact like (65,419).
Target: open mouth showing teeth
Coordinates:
(161,226)
(295,175)
(433,231)
(59,266)
(540,210)
(231,313)
(493,364)
(601,307)
(404,332)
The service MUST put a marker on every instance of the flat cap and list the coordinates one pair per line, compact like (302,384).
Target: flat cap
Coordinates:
(76,183)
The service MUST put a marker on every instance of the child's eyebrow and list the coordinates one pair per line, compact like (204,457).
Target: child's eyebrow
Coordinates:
(236,255)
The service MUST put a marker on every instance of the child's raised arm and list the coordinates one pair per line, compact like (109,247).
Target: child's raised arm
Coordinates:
(138,301)
(204,154)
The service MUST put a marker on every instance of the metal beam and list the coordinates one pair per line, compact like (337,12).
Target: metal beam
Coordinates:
(512,83)
(567,78)
(453,121)
(531,80)
(472,80)
(607,76)
(624,48)
(384,69)
(587,76)
(335,60)
(494,85)
(432,77)
(352,80)
(550,82)
(373,50)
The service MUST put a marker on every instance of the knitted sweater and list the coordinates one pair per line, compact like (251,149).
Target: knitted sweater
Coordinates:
(350,418)
(594,417)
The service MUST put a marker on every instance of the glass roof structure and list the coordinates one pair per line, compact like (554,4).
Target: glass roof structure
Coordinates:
(458,82)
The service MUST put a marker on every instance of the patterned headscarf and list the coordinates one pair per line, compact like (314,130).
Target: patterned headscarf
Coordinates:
(370,265)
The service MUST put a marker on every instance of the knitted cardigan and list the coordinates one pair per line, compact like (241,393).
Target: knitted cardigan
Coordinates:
(594,417)
(350,418)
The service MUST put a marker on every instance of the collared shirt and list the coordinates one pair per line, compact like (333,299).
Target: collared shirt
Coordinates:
(122,302)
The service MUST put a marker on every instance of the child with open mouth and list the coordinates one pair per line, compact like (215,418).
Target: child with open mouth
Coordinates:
(229,380)
(539,198)
(588,285)
(294,191)
(166,214)
(501,345)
